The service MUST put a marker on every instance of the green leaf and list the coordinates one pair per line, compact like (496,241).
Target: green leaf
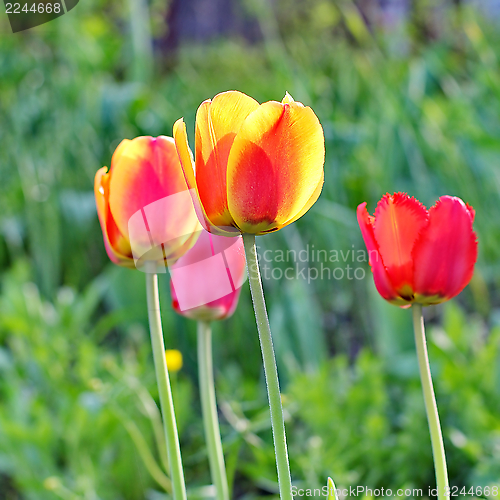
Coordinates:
(332,491)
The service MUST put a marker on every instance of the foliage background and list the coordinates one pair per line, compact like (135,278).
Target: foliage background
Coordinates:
(408,95)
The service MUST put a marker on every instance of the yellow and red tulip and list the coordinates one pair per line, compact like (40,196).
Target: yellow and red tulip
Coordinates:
(258,168)
(419,255)
(206,280)
(144,207)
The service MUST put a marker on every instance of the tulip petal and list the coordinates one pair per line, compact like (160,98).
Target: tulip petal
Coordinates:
(188,245)
(184,152)
(117,246)
(233,253)
(288,99)
(124,144)
(382,282)
(471,211)
(275,166)
(312,200)
(445,254)
(187,163)
(147,171)
(217,123)
(399,220)
(206,281)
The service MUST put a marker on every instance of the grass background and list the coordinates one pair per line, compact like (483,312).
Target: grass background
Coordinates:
(410,105)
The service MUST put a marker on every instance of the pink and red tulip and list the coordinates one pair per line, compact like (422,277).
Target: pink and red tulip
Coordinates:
(259,167)
(144,207)
(206,281)
(419,255)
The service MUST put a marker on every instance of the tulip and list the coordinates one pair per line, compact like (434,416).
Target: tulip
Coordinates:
(205,286)
(418,255)
(147,219)
(206,281)
(421,257)
(258,167)
(144,207)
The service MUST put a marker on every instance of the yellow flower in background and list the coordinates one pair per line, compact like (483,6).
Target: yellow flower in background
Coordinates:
(174,360)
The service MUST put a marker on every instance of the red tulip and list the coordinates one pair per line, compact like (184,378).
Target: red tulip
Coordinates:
(143,203)
(419,255)
(207,280)
(259,167)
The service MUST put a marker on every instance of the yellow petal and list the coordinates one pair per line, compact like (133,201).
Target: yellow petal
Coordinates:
(117,246)
(275,166)
(312,200)
(118,152)
(187,163)
(217,123)
(185,155)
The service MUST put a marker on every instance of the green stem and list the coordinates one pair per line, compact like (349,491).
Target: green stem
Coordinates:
(270,370)
(430,404)
(209,410)
(164,389)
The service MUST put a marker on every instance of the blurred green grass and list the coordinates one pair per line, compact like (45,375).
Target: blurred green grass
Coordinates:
(400,110)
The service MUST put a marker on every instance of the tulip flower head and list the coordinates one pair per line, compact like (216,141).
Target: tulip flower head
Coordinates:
(206,281)
(144,206)
(419,255)
(258,168)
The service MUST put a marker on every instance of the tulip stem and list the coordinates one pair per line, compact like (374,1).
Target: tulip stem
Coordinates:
(164,389)
(209,410)
(430,404)
(270,370)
